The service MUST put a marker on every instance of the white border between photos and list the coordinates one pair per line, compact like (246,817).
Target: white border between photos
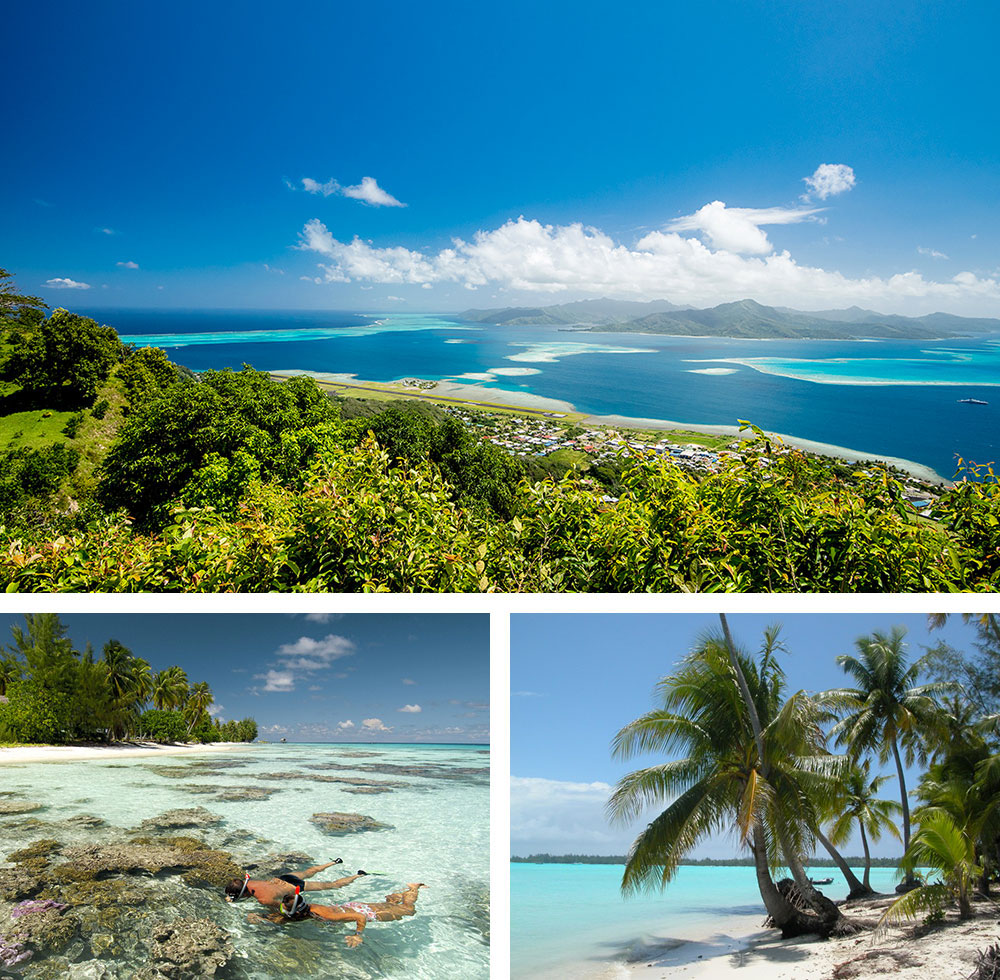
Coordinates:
(500,607)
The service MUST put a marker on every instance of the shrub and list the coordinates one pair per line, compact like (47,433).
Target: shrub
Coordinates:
(72,425)
(162,726)
(100,409)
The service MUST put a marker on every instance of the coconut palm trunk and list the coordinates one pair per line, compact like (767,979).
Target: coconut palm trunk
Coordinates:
(858,889)
(868,855)
(825,909)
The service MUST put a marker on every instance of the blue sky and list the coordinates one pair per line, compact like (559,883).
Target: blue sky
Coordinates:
(318,677)
(231,155)
(577,679)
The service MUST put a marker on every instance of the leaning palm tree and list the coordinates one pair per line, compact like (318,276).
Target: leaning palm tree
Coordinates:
(743,769)
(861,806)
(947,859)
(197,704)
(887,710)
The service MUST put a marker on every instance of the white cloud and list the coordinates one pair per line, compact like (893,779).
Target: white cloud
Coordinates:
(374,725)
(527,255)
(271,268)
(308,654)
(127,265)
(368,191)
(66,284)
(525,694)
(829,179)
(548,815)
(738,229)
(279,680)
(106,231)
(345,725)
(407,680)
(931,252)
(315,187)
(216,709)
(410,709)
(323,617)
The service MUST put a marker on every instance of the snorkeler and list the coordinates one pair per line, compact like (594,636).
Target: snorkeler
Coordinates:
(397,905)
(273,890)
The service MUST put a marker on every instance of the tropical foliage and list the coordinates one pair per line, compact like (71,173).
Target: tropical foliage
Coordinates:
(742,756)
(232,481)
(53,693)
(752,762)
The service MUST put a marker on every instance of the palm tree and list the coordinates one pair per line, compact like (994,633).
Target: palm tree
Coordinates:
(887,710)
(142,681)
(944,848)
(119,677)
(170,688)
(197,704)
(861,805)
(743,768)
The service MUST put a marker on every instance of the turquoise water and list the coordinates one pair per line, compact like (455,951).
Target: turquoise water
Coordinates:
(438,812)
(565,915)
(885,397)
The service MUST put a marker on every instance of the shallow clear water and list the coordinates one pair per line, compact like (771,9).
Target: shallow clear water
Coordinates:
(565,914)
(886,397)
(439,835)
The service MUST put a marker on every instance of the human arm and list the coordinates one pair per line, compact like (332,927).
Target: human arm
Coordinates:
(333,914)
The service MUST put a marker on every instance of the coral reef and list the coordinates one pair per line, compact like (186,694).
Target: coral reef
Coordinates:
(346,823)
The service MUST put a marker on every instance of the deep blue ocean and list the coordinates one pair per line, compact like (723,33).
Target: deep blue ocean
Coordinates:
(886,397)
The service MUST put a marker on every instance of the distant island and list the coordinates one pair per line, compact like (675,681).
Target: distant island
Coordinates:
(734,862)
(745,319)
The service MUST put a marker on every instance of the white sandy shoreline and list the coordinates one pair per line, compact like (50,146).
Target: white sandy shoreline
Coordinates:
(751,953)
(21,754)
(519,399)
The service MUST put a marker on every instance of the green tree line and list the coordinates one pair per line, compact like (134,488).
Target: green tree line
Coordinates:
(789,773)
(52,693)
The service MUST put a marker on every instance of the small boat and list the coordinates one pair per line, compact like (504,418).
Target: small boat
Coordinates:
(820,881)
(972,401)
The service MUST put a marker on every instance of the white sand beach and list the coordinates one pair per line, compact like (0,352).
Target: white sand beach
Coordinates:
(909,952)
(20,754)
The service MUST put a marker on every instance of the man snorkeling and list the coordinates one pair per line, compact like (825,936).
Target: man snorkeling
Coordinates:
(272,890)
(294,907)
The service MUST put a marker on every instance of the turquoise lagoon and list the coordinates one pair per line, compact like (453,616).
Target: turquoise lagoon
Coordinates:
(571,920)
(884,397)
(436,805)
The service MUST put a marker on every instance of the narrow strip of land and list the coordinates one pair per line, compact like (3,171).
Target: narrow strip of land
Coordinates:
(22,754)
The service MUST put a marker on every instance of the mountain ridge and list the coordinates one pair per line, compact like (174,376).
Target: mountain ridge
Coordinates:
(744,318)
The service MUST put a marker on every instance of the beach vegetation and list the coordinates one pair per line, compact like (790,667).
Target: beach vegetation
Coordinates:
(860,807)
(752,762)
(52,693)
(887,711)
(941,858)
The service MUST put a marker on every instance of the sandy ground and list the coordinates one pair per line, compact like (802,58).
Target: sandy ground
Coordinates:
(946,952)
(474,393)
(119,750)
